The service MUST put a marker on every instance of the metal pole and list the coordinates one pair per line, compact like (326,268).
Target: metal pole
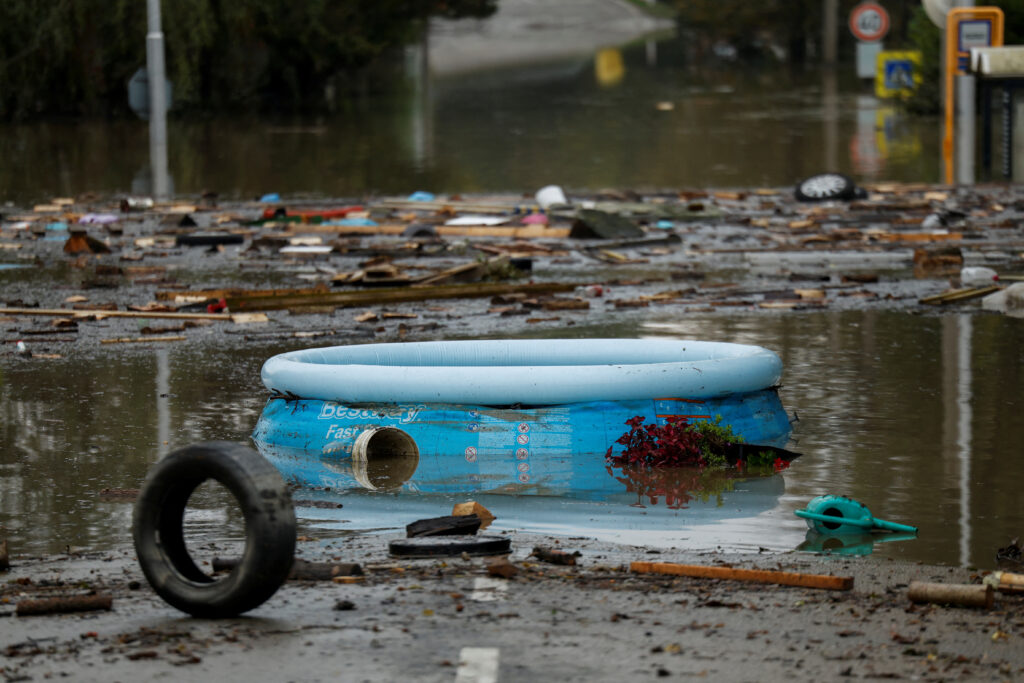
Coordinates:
(157,101)
(830,31)
(965,129)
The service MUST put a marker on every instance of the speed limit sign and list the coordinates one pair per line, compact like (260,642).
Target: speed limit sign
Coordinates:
(869,22)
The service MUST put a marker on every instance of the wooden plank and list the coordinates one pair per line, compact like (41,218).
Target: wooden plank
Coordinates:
(142,340)
(196,295)
(839,583)
(371,297)
(958,295)
(920,237)
(84,312)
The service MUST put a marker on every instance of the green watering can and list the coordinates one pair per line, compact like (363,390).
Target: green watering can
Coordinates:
(842,515)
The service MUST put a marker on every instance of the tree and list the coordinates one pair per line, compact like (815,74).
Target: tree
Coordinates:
(73,57)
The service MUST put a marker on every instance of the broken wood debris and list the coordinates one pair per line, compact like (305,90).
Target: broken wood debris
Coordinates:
(501,567)
(959,295)
(143,340)
(826,582)
(1004,582)
(101,313)
(552,556)
(302,570)
(63,604)
(389,295)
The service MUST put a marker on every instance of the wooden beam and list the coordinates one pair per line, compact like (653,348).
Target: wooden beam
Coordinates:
(85,312)
(370,297)
(839,583)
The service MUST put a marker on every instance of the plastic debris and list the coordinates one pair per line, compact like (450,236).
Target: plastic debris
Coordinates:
(421,196)
(271,198)
(550,195)
(1009,300)
(839,515)
(136,204)
(978,276)
(591,223)
(98,218)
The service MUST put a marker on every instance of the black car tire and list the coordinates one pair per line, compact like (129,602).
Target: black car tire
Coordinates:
(157,529)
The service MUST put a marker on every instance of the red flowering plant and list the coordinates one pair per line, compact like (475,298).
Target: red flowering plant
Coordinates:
(678,461)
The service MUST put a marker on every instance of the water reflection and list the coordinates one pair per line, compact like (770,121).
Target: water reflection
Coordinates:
(646,115)
(848,544)
(918,417)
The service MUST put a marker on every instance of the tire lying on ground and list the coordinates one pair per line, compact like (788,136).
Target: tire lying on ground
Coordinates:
(825,186)
(157,528)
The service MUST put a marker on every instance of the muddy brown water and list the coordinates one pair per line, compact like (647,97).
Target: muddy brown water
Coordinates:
(917,416)
(673,119)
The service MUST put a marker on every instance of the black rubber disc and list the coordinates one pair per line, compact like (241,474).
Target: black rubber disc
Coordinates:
(447,546)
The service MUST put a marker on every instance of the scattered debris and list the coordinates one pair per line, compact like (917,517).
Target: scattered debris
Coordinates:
(64,604)
(1005,582)
(595,224)
(826,186)
(978,276)
(840,583)
(5,560)
(1009,301)
(451,525)
(961,595)
(552,556)
(440,546)
(501,567)
(471,507)
(829,254)
(119,495)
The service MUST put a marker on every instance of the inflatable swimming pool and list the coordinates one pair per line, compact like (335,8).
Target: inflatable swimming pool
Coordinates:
(499,414)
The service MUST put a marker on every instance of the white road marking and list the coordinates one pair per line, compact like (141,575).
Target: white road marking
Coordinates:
(486,588)
(477,665)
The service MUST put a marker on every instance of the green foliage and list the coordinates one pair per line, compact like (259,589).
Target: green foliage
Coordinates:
(74,57)
(927,38)
(715,437)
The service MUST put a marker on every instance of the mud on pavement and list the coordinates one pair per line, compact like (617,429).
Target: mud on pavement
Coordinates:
(449,619)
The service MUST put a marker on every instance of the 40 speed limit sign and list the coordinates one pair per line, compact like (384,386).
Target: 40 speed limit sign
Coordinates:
(869,22)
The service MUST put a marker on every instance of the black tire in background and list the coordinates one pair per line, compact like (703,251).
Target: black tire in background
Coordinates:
(449,546)
(157,528)
(825,186)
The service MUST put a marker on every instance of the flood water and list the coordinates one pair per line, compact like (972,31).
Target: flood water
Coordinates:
(665,118)
(916,416)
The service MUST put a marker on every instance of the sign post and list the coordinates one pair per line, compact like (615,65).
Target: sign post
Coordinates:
(869,22)
(966,27)
(157,101)
(898,73)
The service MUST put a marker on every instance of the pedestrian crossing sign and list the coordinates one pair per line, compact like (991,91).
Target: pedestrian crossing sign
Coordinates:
(898,73)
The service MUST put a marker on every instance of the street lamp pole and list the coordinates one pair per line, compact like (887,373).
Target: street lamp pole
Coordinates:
(157,100)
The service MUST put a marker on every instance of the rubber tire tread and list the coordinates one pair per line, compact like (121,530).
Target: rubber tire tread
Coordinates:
(847,189)
(157,529)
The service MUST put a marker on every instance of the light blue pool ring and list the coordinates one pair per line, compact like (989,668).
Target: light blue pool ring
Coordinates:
(522,371)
